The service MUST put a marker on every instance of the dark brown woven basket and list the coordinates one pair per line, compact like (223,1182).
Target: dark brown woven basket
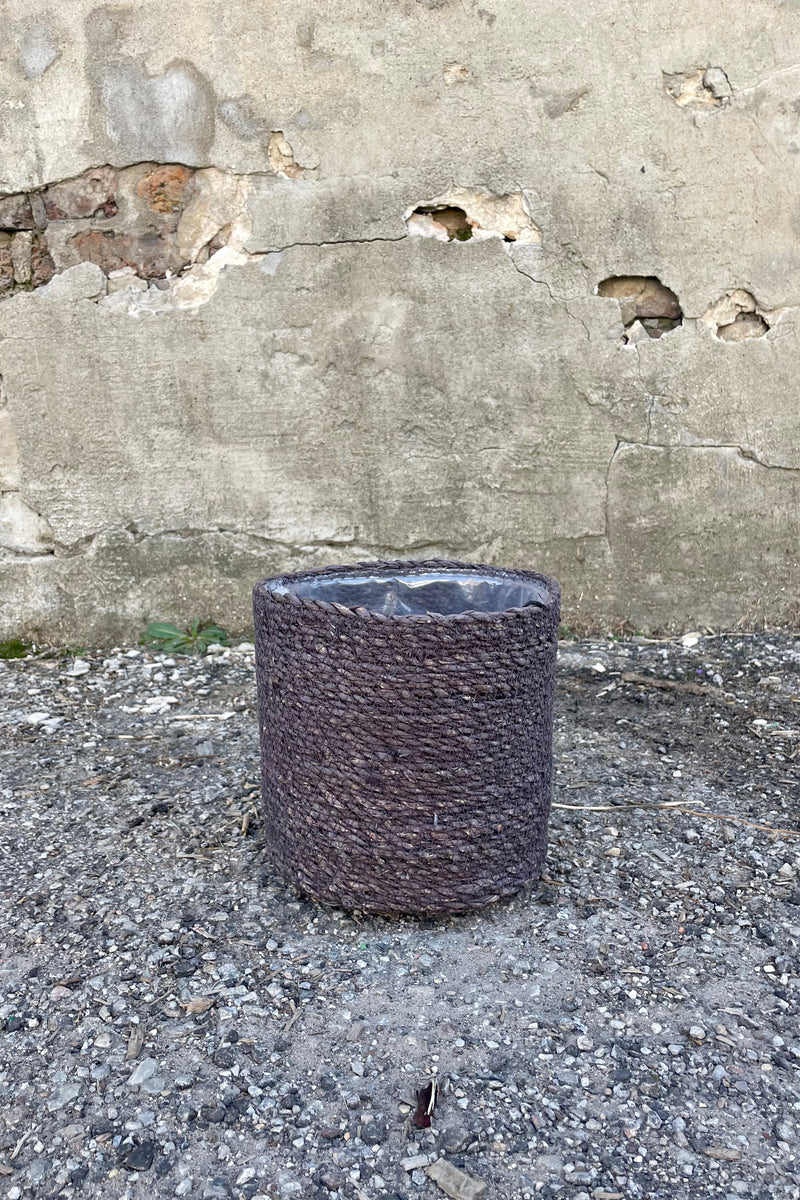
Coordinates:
(406,759)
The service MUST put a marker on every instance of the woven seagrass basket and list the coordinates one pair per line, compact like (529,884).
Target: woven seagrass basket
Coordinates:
(406,714)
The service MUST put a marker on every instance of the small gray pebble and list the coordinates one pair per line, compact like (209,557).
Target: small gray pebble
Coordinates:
(217,1189)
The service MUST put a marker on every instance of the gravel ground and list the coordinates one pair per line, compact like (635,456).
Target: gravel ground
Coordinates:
(176,1022)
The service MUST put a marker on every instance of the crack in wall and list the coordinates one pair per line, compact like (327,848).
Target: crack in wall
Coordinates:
(23,531)
(136,536)
(607,505)
(651,401)
(778,73)
(746,452)
(563,304)
(197,285)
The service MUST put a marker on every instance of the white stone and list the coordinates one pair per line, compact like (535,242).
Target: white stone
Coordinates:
(145,1070)
(86,281)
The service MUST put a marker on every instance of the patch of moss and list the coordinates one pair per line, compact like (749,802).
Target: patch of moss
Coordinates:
(15,648)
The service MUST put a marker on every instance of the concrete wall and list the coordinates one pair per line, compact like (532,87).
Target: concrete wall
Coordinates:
(285,284)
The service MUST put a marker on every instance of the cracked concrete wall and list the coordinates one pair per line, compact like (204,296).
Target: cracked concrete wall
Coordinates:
(224,352)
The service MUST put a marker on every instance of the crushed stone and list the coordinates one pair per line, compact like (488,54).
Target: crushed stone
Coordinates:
(175,1021)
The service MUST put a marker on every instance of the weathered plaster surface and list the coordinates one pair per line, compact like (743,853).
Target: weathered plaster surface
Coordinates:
(270,370)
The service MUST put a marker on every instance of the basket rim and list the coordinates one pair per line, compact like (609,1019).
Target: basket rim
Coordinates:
(264,590)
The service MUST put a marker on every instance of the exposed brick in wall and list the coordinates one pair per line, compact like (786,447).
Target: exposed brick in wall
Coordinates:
(118,219)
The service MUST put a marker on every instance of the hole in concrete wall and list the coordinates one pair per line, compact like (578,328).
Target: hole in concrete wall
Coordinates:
(648,307)
(462,215)
(735,317)
(281,156)
(705,87)
(455,72)
(443,222)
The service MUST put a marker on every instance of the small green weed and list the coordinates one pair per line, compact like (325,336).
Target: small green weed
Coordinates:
(194,639)
(15,648)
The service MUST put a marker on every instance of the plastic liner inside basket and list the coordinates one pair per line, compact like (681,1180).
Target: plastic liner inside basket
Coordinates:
(444,592)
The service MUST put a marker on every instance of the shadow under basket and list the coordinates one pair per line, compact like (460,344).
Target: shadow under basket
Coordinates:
(406,715)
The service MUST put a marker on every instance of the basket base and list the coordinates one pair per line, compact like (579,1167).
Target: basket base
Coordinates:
(406,898)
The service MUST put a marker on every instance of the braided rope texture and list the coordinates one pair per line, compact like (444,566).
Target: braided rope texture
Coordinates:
(406,760)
